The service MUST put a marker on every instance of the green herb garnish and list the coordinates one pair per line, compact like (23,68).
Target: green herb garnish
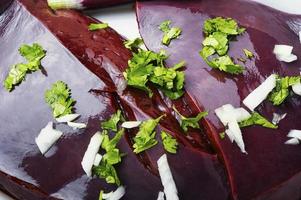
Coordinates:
(222,135)
(98,26)
(59,99)
(192,122)
(33,54)
(170,144)
(248,53)
(112,123)
(257,119)
(281,91)
(106,171)
(133,44)
(218,32)
(148,67)
(145,138)
(100,195)
(169,33)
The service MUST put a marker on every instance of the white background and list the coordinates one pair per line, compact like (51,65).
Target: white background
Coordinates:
(123,20)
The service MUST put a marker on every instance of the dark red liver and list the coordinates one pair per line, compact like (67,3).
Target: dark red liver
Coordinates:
(271,170)
(90,63)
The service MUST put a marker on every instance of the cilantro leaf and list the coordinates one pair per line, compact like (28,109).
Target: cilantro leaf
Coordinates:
(169,33)
(100,195)
(281,91)
(59,99)
(248,53)
(133,44)
(222,135)
(257,119)
(97,26)
(33,54)
(227,26)
(192,122)
(145,138)
(218,41)
(112,123)
(108,144)
(106,171)
(170,144)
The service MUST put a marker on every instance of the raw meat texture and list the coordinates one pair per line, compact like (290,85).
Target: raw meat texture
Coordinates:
(271,170)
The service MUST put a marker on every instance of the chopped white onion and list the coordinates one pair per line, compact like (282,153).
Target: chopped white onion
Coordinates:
(233,127)
(227,113)
(47,137)
(75,125)
(90,154)
(297,89)
(65,4)
(284,53)
(167,180)
(160,196)
(116,195)
(97,159)
(67,118)
(260,93)
(300,36)
(278,117)
(292,141)
(130,124)
(295,134)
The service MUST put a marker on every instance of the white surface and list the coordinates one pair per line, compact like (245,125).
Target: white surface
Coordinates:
(123,20)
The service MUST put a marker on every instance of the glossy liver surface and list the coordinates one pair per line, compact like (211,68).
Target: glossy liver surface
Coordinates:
(271,170)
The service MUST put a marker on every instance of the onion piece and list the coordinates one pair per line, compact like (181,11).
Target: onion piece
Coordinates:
(160,196)
(67,118)
(131,124)
(284,53)
(90,154)
(288,59)
(116,195)
(65,4)
(300,36)
(260,93)
(97,159)
(75,125)
(227,113)
(294,134)
(167,180)
(292,141)
(278,117)
(47,137)
(297,89)
(233,127)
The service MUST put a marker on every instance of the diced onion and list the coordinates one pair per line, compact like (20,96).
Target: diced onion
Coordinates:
(90,154)
(295,134)
(130,124)
(292,141)
(297,89)
(277,118)
(160,196)
(47,137)
(97,159)
(300,36)
(67,118)
(116,195)
(284,53)
(260,93)
(227,113)
(288,59)
(75,125)
(167,180)
(233,127)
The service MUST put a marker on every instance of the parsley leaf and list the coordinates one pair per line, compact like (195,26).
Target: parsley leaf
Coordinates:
(218,41)
(145,138)
(112,123)
(248,53)
(33,54)
(257,119)
(170,144)
(133,44)
(227,26)
(281,91)
(192,122)
(94,26)
(108,144)
(106,171)
(59,99)
(100,195)
(169,33)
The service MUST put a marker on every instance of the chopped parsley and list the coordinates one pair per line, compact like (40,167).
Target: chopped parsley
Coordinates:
(222,135)
(193,122)
(106,171)
(257,119)
(133,44)
(59,99)
(98,26)
(170,144)
(33,55)
(218,32)
(169,33)
(145,138)
(281,91)
(248,53)
(100,195)
(148,67)
(112,123)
